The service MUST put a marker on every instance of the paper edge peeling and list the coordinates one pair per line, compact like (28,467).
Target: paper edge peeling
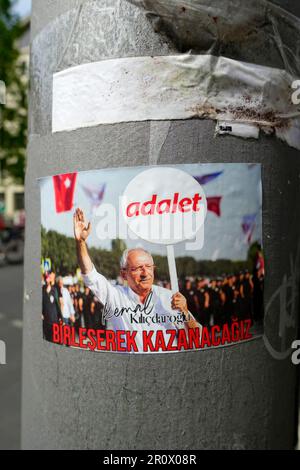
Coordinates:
(244,115)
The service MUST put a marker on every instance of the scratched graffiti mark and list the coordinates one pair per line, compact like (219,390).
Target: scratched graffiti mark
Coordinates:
(287,295)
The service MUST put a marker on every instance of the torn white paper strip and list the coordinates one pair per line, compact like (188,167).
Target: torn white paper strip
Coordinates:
(290,134)
(239,129)
(173,87)
(252,25)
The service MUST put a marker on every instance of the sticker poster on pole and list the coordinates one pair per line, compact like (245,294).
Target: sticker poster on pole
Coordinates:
(147,260)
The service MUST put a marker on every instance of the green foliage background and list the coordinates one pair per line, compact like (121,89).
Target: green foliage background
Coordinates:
(13,72)
(61,250)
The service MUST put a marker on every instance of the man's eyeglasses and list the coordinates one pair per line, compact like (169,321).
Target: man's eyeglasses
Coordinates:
(139,269)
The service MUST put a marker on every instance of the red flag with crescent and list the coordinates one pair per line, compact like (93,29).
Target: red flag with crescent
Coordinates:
(64,188)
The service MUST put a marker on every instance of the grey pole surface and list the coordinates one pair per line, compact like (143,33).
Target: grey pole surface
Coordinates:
(235,397)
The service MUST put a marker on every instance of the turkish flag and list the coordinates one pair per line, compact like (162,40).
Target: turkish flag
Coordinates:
(214,205)
(64,187)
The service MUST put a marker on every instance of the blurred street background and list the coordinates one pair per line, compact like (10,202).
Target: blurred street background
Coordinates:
(11,281)
(14,73)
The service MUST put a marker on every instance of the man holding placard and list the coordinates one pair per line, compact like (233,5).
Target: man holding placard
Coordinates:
(140,305)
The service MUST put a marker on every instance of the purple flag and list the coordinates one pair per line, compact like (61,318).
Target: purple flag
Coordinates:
(204,179)
(248,226)
(95,195)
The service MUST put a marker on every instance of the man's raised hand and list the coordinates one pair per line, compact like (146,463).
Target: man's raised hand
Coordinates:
(81,228)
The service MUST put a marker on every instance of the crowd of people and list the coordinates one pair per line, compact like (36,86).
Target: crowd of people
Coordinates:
(71,304)
(211,301)
(225,299)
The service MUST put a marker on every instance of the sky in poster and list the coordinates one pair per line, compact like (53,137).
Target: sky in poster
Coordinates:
(239,186)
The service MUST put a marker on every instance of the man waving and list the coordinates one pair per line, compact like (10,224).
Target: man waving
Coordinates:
(140,305)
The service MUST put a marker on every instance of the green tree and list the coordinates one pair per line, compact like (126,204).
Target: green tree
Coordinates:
(118,246)
(61,250)
(13,72)
(252,253)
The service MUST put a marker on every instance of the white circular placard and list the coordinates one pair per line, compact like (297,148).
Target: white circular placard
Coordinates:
(164,205)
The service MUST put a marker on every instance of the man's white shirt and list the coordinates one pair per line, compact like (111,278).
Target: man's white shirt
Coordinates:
(68,308)
(115,298)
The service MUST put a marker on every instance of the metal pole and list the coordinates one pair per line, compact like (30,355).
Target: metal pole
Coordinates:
(239,397)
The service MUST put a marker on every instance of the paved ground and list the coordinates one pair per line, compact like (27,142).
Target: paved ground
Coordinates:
(11,293)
